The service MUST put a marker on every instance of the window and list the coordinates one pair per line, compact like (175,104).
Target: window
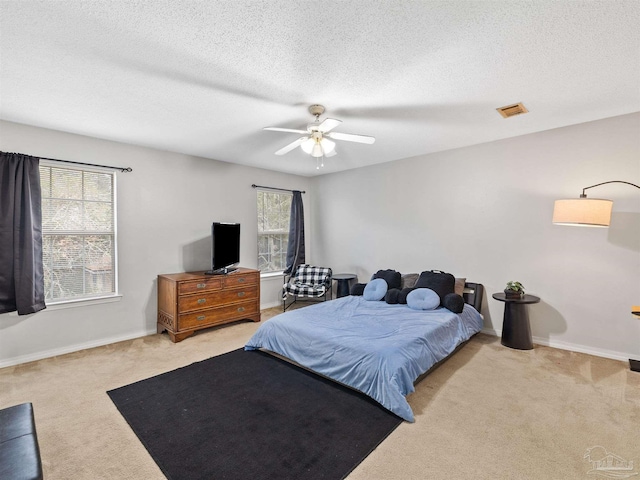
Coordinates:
(78,233)
(274,210)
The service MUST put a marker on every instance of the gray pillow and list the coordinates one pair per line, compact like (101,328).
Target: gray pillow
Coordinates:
(459,286)
(408,280)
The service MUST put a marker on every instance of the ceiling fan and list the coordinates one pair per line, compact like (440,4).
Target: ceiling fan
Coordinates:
(317,137)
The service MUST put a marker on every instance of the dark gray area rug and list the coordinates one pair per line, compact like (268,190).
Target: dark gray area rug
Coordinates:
(247,414)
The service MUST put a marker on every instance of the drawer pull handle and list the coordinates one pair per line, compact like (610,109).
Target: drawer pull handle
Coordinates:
(201,285)
(201,317)
(241,309)
(241,280)
(202,300)
(241,294)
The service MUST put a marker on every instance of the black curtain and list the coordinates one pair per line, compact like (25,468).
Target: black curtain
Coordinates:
(21,271)
(295,247)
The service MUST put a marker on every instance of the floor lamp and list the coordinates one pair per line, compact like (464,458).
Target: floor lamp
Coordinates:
(590,212)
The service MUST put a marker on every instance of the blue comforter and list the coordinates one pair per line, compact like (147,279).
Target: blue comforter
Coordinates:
(376,348)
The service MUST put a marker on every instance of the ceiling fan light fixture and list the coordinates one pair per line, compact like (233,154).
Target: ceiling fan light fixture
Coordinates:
(317,150)
(307,145)
(328,145)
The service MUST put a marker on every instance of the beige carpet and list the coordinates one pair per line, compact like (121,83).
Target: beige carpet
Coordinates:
(488,412)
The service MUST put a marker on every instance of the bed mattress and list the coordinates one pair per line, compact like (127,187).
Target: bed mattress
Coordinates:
(374,347)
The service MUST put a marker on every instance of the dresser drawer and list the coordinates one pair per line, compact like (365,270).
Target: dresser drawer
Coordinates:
(239,279)
(202,285)
(188,303)
(214,316)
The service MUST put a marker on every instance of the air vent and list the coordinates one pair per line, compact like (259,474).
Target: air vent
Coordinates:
(512,110)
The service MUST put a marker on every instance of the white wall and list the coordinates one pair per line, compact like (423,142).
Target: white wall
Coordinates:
(165,209)
(484,212)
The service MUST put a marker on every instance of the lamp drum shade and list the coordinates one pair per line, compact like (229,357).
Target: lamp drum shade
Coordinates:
(587,212)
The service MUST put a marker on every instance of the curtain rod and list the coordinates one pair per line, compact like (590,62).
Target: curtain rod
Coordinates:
(274,188)
(122,169)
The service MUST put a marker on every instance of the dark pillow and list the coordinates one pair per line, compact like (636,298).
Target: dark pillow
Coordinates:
(357,289)
(440,282)
(402,296)
(392,277)
(392,296)
(453,302)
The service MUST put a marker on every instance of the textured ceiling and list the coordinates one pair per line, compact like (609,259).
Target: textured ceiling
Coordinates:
(204,77)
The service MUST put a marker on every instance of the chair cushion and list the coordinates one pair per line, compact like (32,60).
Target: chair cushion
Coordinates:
(304,290)
(310,275)
(308,281)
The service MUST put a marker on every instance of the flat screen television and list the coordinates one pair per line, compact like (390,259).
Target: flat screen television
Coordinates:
(225,248)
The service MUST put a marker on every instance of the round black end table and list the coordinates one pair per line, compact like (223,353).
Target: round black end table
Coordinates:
(343,280)
(516,330)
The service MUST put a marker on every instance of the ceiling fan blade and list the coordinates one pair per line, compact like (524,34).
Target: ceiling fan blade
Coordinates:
(290,130)
(291,146)
(331,153)
(350,137)
(328,124)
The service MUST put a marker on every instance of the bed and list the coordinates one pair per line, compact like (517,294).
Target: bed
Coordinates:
(377,348)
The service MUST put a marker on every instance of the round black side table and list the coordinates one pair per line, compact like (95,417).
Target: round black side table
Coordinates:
(516,330)
(343,280)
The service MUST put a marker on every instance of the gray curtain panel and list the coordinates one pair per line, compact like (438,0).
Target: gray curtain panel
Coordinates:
(21,270)
(295,247)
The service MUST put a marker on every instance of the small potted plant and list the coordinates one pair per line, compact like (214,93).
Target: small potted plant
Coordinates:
(514,290)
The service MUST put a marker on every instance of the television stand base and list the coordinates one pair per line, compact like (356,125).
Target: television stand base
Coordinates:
(222,271)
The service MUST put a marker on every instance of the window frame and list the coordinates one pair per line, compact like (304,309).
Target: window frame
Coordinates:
(270,273)
(102,297)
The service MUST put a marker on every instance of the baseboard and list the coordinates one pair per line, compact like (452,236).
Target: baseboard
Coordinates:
(271,305)
(9,362)
(573,347)
(624,357)
(492,332)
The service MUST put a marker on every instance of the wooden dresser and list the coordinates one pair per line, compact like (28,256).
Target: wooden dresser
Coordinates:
(188,302)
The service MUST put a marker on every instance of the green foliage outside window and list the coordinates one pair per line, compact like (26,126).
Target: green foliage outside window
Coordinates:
(78,233)
(274,210)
